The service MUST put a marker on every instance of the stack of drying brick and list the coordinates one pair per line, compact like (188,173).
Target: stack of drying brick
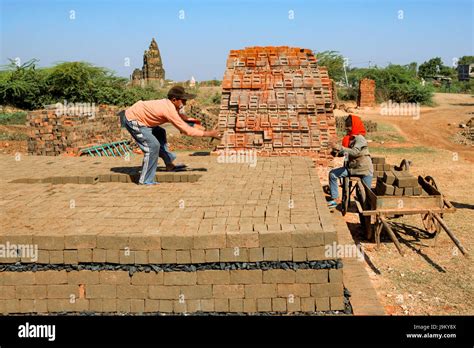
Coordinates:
(277,101)
(391,182)
(366,93)
(53,134)
(380,166)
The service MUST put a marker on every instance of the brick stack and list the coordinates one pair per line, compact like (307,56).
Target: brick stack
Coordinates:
(277,101)
(380,166)
(398,183)
(52,135)
(366,93)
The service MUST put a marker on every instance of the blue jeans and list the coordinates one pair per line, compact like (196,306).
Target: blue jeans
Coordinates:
(150,145)
(342,172)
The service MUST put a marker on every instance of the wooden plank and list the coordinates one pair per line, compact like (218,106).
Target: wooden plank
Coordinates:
(405,211)
(409,202)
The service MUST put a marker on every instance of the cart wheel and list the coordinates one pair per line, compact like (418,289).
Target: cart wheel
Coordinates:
(431,181)
(345,195)
(431,225)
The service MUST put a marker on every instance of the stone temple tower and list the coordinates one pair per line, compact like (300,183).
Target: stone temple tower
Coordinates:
(152,72)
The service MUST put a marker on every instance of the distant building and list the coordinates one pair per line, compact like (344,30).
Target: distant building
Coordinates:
(192,82)
(465,71)
(152,72)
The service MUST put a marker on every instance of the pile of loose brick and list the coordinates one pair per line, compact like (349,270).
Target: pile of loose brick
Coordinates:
(277,101)
(366,93)
(53,134)
(391,182)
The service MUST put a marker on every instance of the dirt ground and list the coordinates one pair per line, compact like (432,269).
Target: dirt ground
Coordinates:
(427,280)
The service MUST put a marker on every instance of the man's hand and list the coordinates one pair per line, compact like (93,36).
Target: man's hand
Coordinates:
(213,133)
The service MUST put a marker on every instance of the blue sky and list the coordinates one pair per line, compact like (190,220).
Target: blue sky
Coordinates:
(106,32)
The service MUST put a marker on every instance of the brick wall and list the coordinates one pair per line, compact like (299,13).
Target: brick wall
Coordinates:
(278,101)
(52,135)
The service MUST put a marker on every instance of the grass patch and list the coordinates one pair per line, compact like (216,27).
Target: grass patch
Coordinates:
(385,127)
(396,150)
(13,118)
(13,136)
(387,137)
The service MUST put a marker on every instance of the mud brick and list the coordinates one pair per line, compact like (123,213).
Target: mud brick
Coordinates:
(337,303)
(378,160)
(279,304)
(285,254)
(166,306)
(306,239)
(169,256)
(179,306)
(152,278)
(10,306)
(236,305)
(8,292)
(329,237)
(28,306)
(112,256)
(398,191)
(287,290)
(183,256)
(260,290)
(84,255)
(228,291)
(384,189)
(264,305)
(42,258)
(388,177)
(145,243)
(308,304)
(163,292)
(49,242)
(109,305)
(404,180)
(198,256)
(24,292)
(196,292)
(80,242)
(109,242)
(212,241)
(316,253)
(193,306)
(152,306)
(246,276)
(132,291)
(65,305)
(335,275)
(299,254)
(387,167)
(255,254)
(279,276)
(101,291)
(322,304)
(212,255)
(114,277)
(275,239)
(99,255)
(83,277)
(417,191)
(335,289)
(320,290)
(51,277)
(270,254)
(124,306)
(221,305)
(155,256)
(179,278)
(63,291)
(141,257)
(248,240)
(207,305)
(70,257)
(177,242)
(408,191)
(294,304)
(312,276)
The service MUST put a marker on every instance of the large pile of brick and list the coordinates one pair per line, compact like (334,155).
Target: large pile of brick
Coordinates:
(366,93)
(393,182)
(277,101)
(54,133)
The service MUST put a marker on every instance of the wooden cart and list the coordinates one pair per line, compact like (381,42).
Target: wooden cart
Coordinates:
(373,210)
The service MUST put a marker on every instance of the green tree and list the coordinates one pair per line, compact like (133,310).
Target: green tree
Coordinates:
(334,62)
(434,67)
(466,60)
